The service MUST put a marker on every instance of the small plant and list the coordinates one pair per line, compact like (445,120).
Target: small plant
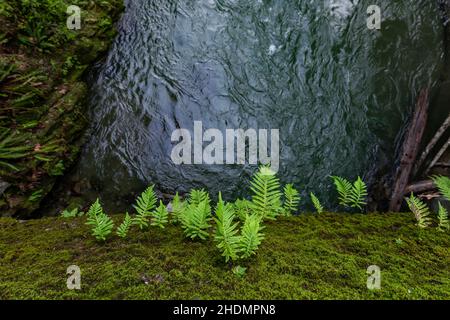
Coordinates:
(226,231)
(146,202)
(160,216)
(351,195)
(420,210)
(251,236)
(444,223)
(358,194)
(239,271)
(344,189)
(291,199)
(198,196)
(195,220)
(122,230)
(266,193)
(443,184)
(70,213)
(102,225)
(316,203)
(242,208)
(178,207)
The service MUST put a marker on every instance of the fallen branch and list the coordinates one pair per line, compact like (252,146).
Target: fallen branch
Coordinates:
(438,156)
(410,150)
(431,144)
(420,186)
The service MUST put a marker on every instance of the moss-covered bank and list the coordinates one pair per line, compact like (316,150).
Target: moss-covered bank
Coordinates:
(42,94)
(306,257)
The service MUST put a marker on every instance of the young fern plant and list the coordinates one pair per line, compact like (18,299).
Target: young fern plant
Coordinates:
(344,189)
(226,236)
(420,210)
(145,203)
(177,208)
(351,195)
(266,193)
(443,184)
(101,224)
(291,200)
(444,223)
(251,236)
(195,220)
(122,230)
(160,216)
(316,203)
(242,208)
(358,194)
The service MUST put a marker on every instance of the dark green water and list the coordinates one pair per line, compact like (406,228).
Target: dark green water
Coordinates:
(339,92)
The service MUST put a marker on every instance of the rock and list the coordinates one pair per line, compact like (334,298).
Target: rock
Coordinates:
(3,186)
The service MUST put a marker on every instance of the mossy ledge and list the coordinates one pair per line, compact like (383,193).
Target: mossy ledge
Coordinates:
(306,257)
(42,92)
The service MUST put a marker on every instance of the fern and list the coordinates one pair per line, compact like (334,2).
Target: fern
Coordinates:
(344,188)
(316,203)
(266,193)
(226,231)
(444,223)
(102,225)
(251,236)
(145,203)
(195,220)
(358,194)
(95,209)
(242,208)
(292,199)
(160,216)
(177,208)
(198,196)
(420,210)
(123,229)
(443,184)
(70,214)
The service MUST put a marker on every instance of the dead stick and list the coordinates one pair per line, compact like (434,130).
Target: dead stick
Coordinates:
(438,156)
(420,186)
(410,150)
(432,143)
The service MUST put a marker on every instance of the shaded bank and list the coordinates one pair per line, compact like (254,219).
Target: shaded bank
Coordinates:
(43,95)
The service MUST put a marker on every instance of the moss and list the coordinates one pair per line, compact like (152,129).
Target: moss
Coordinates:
(42,92)
(306,257)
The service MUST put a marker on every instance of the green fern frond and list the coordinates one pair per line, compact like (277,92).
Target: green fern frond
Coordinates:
(316,203)
(251,236)
(242,208)
(178,207)
(358,194)
(266,193)
(344,189)
(160,216)
(95,209)
(145,203)
(444,223)
(291,200)
(102,225)
(195,220)
(420,210)
(226,231)
(70,213)
(197,196)
(123,229)
(443,184)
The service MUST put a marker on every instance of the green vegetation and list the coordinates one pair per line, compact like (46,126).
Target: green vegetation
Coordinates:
(316,203)
(266,194)
(102,224)
(420,210)
(351,195)
(306,257)
(444,223)
(144,206)
(42,92)
(122,230)
(291,200)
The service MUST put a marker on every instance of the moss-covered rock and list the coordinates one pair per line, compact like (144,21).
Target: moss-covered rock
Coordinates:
(308,257)
(42,94)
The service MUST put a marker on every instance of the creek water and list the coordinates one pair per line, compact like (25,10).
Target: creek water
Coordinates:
(338,92)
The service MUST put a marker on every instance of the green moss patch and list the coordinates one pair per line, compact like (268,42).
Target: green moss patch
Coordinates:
(307,257)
